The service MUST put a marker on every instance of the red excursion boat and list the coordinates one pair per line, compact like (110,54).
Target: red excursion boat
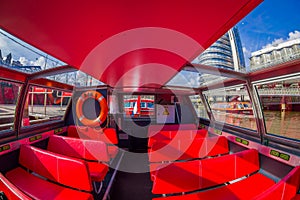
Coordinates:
(139,107)
(236,107)
(119,100)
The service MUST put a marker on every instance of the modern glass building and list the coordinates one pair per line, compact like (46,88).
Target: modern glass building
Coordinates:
(225,53)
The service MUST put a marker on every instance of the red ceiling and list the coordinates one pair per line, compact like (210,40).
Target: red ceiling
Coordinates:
(123,43)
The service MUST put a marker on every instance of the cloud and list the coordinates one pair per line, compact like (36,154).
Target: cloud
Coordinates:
(292,36)
(39,62)
(23,61)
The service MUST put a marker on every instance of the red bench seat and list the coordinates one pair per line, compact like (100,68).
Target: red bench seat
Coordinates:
(65,171)
(187,150)
(93,151)
(256,187)
(199,174)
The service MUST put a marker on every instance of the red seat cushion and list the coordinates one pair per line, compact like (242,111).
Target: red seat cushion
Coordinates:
(10,190)
(171,178)
(38,188)
(245,189)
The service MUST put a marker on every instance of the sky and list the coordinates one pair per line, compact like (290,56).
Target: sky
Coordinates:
(273,21)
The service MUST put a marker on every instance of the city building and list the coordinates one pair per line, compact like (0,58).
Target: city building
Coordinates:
(225,53)
(276,54)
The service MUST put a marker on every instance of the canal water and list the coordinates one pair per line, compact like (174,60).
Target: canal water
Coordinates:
(286,123)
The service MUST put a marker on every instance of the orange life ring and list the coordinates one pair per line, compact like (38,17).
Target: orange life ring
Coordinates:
(103,106)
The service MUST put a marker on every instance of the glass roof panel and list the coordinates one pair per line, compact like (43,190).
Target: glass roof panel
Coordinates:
(18,55)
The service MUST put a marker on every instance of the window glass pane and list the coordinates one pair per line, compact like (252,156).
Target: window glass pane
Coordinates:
(280,102)
(143,105)
(139,106)
(150,105)
(232,106)
(44,105)
(9,93)
(198,106)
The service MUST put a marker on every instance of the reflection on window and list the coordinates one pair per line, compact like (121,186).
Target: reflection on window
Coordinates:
(139,106)
(232,106)
(9,93)
(281,107)
(44,105)
(199,107)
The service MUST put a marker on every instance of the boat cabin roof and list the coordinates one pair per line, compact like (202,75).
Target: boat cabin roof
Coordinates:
(123,44)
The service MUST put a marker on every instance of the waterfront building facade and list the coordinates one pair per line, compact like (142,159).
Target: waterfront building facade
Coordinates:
(275,54)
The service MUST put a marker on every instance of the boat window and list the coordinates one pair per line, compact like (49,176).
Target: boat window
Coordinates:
(127,104)
(77,78)
(280,102)
(143,105)
(44,105)
(9,93)
(232,106)
(138,106)
(150,105)
(198,106)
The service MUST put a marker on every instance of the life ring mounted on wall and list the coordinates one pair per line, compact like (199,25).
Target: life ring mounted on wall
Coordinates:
(103,106)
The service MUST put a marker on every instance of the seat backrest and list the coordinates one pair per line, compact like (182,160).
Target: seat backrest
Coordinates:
(186,149)
(58,168)
(176,135)
(107,135)
(75,131)
(92,150)
(152,129)
(216,146)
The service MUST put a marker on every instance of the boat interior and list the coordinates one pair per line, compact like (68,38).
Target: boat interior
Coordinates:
(125,113)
